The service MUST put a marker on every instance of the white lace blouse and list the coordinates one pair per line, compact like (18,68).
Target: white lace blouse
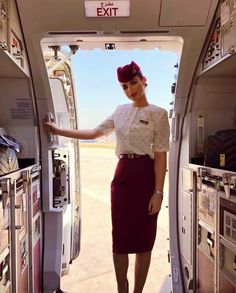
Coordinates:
(139,130)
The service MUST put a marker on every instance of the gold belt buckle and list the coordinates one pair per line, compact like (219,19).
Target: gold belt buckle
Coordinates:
(130,156)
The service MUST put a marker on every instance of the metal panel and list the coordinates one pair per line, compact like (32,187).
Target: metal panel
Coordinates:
(3,24)
(20,250)
(228,262)
(230,226)
(74,18)
(225,285)
(35,234)
(61,110)
(228,219)
(228,29)
(206,241)
(4,215)
(178,13)
(5,279)
(205,273)
(37,272)
(186,235)
(207,205)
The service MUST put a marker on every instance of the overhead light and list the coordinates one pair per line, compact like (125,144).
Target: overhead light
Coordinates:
(116,8)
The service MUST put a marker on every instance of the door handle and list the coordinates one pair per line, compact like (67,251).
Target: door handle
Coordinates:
(175,127)
(49,118)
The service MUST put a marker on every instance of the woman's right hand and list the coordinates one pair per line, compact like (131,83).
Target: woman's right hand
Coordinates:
(51,126)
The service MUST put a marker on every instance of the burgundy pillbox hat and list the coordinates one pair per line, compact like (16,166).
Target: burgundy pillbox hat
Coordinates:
(129,71)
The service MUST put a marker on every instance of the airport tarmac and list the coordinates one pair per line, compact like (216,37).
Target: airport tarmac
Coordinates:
(92,271)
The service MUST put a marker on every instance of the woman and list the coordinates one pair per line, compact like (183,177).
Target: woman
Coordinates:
(142,140)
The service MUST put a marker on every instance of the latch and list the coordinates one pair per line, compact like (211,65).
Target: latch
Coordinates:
(210,242)
(201,173)
(60,180)
(175,126)
(56,49)
(173,87)
(168,256)
(5,190)
(199,238)
(232,50)
(26,179)
(229,181)
(49,118)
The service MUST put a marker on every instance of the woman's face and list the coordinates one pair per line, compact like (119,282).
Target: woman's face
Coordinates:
(135,88)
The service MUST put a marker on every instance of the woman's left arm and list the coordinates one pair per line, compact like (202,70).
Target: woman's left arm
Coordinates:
(160,172)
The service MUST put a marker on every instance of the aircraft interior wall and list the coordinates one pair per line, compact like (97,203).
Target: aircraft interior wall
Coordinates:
(20,183)
(206,206)
(17,117)
(214,107)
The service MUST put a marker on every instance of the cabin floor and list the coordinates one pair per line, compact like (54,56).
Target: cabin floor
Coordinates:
(92,271)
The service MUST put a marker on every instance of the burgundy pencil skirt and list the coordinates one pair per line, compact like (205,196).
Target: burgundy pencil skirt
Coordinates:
(133,230)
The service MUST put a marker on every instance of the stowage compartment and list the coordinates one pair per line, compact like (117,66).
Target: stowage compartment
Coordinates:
(220,150)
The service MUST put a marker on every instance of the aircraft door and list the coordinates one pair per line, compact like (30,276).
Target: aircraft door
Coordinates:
(60,207)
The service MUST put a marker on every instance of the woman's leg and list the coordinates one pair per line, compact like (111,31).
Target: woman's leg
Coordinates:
(142,263)
(121,263)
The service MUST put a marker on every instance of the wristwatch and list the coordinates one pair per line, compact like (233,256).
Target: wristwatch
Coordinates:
(158,192)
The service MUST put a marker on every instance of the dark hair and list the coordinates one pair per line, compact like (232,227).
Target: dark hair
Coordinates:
(139,74)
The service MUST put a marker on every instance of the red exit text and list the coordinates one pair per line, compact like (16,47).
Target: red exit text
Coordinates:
(110,11)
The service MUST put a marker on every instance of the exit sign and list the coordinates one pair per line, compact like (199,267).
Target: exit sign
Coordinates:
(117,8)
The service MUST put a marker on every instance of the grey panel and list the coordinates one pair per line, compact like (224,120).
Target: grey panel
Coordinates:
(178,13)
(186,230)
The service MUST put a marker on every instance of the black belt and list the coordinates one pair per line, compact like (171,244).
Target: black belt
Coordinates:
(131,156)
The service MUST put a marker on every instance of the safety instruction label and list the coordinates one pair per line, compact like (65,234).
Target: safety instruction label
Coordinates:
(21,110)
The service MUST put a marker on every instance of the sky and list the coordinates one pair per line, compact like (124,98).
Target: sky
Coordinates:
(98,91)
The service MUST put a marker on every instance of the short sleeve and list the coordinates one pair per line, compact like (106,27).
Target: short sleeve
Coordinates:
(161,133)
(107,126)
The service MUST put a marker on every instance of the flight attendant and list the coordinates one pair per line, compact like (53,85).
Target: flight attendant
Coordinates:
(142,140)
